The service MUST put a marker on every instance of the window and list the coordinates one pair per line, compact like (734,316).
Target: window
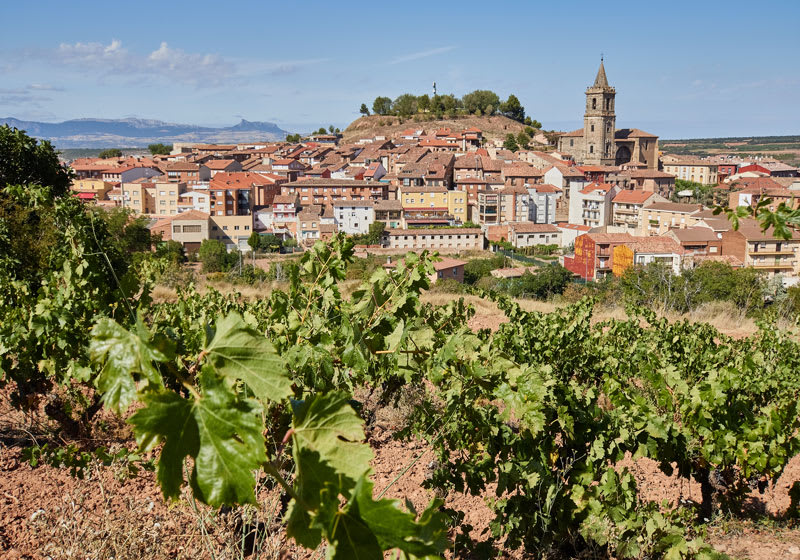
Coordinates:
(592,128)
(591,149)
(176,229)
(193,228)
(236,228)
(224,228)
(594,103)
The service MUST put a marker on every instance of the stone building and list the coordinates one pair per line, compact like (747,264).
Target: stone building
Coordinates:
(599,142)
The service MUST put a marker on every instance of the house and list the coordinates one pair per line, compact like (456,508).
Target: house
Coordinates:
(761,188)
(591,206)
(308,227)
(189,228)
(569,232)
(374,171)
(326,191)
(627,205)
(525,234)
(353,216)
(223,166)
(762,250)
(697,242)
(647,250)
(659,217)
(390,212)
(91,189)
(432,205)
(187,172)
(543,203)
(692,169)
(443,239)
(129,173)
(448,269)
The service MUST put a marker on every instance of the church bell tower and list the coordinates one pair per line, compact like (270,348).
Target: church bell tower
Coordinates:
(599,121)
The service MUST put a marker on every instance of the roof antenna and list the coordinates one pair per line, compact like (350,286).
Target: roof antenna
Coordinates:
(601,57)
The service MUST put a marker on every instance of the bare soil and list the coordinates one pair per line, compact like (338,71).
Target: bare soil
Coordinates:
(494,127)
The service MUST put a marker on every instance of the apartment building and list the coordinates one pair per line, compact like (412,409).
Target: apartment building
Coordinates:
(188,173)
(591,206)
(627,206)
(432,205)
(692,169)
(659,217)
(762,250)
(326,191)
(353,216)
(442,239)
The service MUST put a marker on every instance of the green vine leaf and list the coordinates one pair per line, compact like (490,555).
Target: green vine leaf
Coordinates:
(238,351)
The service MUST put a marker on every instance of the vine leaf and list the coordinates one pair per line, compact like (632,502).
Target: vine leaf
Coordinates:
(126,354)
(222,433)
(238,351)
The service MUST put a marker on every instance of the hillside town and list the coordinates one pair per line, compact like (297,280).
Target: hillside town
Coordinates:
(607,197)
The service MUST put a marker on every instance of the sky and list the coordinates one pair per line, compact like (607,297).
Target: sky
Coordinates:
(681,69)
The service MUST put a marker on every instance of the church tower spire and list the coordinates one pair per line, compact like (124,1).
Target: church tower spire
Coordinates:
(601,80)
(599,121)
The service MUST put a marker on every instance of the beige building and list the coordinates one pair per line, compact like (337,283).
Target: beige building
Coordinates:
(627,206)
(97,188)
(658,218)
(691,169)
(432,202)
(442,239)
(234,231)
(166,197)
(138,196)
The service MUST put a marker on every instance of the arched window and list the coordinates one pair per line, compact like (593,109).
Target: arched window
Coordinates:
(594,103)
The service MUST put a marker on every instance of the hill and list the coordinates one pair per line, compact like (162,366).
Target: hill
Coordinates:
(132,133)
(784,148)
(495,127)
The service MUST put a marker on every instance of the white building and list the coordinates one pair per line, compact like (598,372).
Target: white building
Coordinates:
(542,205)
(194,200)
(353,216)
(591,206)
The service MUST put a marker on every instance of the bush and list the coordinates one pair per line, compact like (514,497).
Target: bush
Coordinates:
(476,269)
(215,257)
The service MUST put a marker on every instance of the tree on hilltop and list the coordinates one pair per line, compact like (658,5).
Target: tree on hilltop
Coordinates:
(364,110)
(513,109)
(160,149)
(382,106)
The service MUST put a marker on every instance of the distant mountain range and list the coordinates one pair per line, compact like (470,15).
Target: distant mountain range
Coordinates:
(136,133)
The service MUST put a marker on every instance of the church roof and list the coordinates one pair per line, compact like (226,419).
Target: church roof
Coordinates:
(578,132)
(601,80)
(623,133)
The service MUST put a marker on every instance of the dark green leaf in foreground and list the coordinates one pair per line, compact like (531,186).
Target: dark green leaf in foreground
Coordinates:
(126,356)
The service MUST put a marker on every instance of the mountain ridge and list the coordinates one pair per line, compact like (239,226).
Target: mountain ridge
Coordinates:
(136,133)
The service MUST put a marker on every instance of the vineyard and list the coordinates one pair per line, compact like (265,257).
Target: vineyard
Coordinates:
(225,397)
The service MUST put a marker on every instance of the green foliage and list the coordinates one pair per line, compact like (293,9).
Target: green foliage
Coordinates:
(160,149)
(382,106)
(405,105)
(545,282)
(523,140)
(373,236)
(110,153)
(27,161)
(510,143)
(513,109)
(476,269)
(293,138)
(481,99)
(364,110)
(129,232)
(215,256)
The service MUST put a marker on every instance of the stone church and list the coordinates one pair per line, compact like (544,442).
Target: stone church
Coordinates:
(599,142)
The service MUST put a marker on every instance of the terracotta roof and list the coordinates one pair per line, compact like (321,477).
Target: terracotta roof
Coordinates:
(578,227)
(611,237)
(430,189)
(219,163)
(694,234)
(622,133)
(388,205)
(632,197)
(530,227)
(191,215)
(319,182)
(545,188)
(285,199)
(655,245)
(354,203)
(605,187)
(446,263)
(574,133)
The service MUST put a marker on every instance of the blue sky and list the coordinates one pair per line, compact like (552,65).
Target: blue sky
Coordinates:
(681,69)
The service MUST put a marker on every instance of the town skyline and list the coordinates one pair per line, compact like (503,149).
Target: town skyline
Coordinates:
(683,74)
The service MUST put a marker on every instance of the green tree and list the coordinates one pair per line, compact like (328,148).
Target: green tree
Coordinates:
(321,130)
(270,242)
(523,140)
(172,251)
(423,103)
(214,256)
(25,160)
(382,106)
(373,236)
(110,153)
(513,109)
(129,232)
(405,105)
(160,149)
(254,241)
(481,99)
(364,110)
(293,138)
(510,143)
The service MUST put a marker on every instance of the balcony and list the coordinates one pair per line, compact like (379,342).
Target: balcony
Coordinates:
(766,252)
(774,265)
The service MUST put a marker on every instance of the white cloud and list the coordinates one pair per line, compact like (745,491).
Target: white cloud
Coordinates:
(163,62)
(421,54)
